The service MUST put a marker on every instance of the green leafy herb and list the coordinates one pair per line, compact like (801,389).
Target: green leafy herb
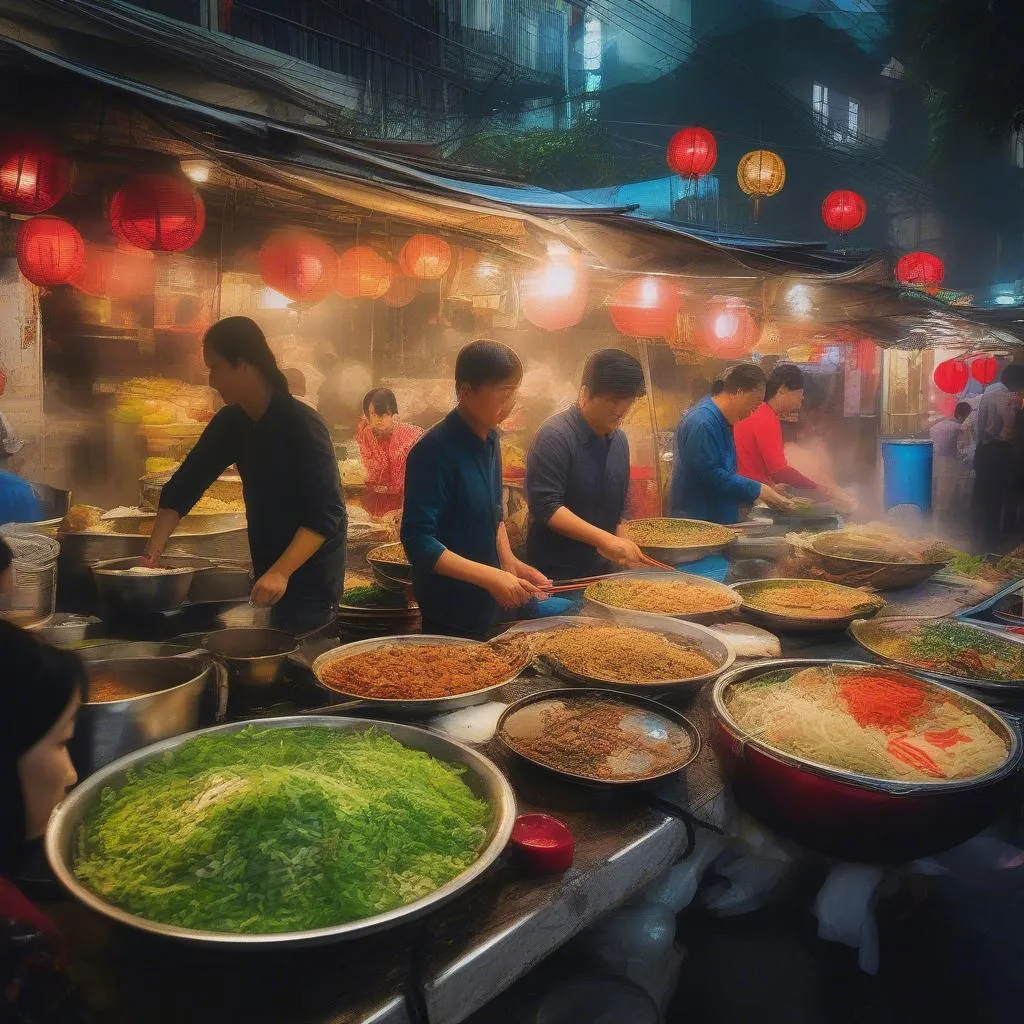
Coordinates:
(272,830)
(372,597)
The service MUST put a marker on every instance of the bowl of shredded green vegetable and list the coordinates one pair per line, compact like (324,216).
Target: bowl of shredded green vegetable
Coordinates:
(289,831)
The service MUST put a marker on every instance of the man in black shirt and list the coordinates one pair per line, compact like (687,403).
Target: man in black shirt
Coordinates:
(577,476)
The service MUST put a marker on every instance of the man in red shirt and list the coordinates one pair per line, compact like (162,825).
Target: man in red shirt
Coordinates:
(759,450)
(384,444)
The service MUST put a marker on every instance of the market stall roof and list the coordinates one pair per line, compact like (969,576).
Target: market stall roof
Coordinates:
(126,51)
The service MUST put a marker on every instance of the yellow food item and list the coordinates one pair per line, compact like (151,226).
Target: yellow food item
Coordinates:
(84,519)
(667,598)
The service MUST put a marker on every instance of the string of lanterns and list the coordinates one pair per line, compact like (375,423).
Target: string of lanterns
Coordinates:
(951,376)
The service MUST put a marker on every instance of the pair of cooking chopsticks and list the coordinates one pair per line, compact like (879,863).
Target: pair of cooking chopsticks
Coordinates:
(565,586)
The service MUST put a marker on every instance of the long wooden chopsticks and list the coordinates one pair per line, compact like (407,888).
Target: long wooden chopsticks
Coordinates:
(565,586)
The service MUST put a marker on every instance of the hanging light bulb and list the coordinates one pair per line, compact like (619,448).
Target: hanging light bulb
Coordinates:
(726,326)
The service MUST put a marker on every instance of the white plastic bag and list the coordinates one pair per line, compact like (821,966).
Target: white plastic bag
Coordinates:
(845,909)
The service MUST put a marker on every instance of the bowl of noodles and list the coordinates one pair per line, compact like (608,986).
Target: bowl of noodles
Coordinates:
(861,761)
(675,594)
(880,556)
(804,605)
(948,650)
(631,652)
(674,541)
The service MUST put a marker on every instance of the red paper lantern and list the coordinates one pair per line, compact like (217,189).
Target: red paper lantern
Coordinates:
(425,256)
(843,211)
(363,273)
(692,152)
(920,268)
(402,291)
(951,376)
(50,251)
(33,175)
(984,370)
(731,329)
(299,265)
(121,272)
(158,211)
(645,307)
(554,296)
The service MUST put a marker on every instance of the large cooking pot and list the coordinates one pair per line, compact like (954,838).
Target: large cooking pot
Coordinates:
(848,815)
(174,699)
(33,596)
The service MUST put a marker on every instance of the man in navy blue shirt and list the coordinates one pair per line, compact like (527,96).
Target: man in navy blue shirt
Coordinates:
(453,529)
(577,475)
(705,484)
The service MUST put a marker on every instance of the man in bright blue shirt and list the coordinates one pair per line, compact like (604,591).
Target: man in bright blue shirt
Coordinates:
(453,529)
(18,502)
(705,484)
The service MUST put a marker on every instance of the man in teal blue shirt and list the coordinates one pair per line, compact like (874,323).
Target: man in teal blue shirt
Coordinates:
(453,529)
(705,484)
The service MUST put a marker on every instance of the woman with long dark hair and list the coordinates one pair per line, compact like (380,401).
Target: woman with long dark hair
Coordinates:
(290,482)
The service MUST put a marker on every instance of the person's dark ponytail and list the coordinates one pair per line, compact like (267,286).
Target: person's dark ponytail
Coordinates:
(239,339)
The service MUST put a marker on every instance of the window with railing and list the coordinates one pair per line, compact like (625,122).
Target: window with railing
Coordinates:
(819,101)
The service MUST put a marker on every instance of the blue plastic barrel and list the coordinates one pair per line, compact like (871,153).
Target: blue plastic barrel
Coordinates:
(907,474)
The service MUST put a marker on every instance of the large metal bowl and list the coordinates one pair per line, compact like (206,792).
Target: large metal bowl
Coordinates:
(481,775)
(846,814)
(880,574)
(120,589)
(409,707)
(388,574)
(685,553)
(707,642)
(173,703)
(593,606)
(864,633)
(802,623)
(255,660)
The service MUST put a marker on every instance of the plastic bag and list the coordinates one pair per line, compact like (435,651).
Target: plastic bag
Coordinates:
(845,909)
(677,887)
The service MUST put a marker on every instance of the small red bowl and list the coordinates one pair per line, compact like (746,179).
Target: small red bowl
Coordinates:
(544,843)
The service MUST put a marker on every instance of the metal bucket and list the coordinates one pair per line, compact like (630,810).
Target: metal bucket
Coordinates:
(173,703)
(33,595)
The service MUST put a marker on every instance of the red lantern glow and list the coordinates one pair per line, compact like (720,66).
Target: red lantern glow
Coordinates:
(731,329)
(920,268)
(33,175)
(554,296)
(645,307)
(364,274)
(843,211)
(402,291)
(117,273)
(158,211)
(50,251)
(299,265)
(984,370)
(951,376)
(692,152)
(425,256)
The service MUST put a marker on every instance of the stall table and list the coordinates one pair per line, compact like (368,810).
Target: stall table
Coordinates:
(461,956)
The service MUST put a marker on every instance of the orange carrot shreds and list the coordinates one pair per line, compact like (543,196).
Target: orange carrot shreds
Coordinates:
(905,751)
(947,738)
(886,704)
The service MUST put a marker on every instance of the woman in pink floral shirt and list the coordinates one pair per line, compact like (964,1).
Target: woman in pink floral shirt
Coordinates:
(384,444)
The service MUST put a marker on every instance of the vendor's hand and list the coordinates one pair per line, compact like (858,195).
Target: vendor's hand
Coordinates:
(621,551)
(773,499)
(510,591)
(151,557)
(269,589)
(842,501)
(522,571)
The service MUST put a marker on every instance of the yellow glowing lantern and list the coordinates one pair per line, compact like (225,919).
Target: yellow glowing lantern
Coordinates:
(761,174)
